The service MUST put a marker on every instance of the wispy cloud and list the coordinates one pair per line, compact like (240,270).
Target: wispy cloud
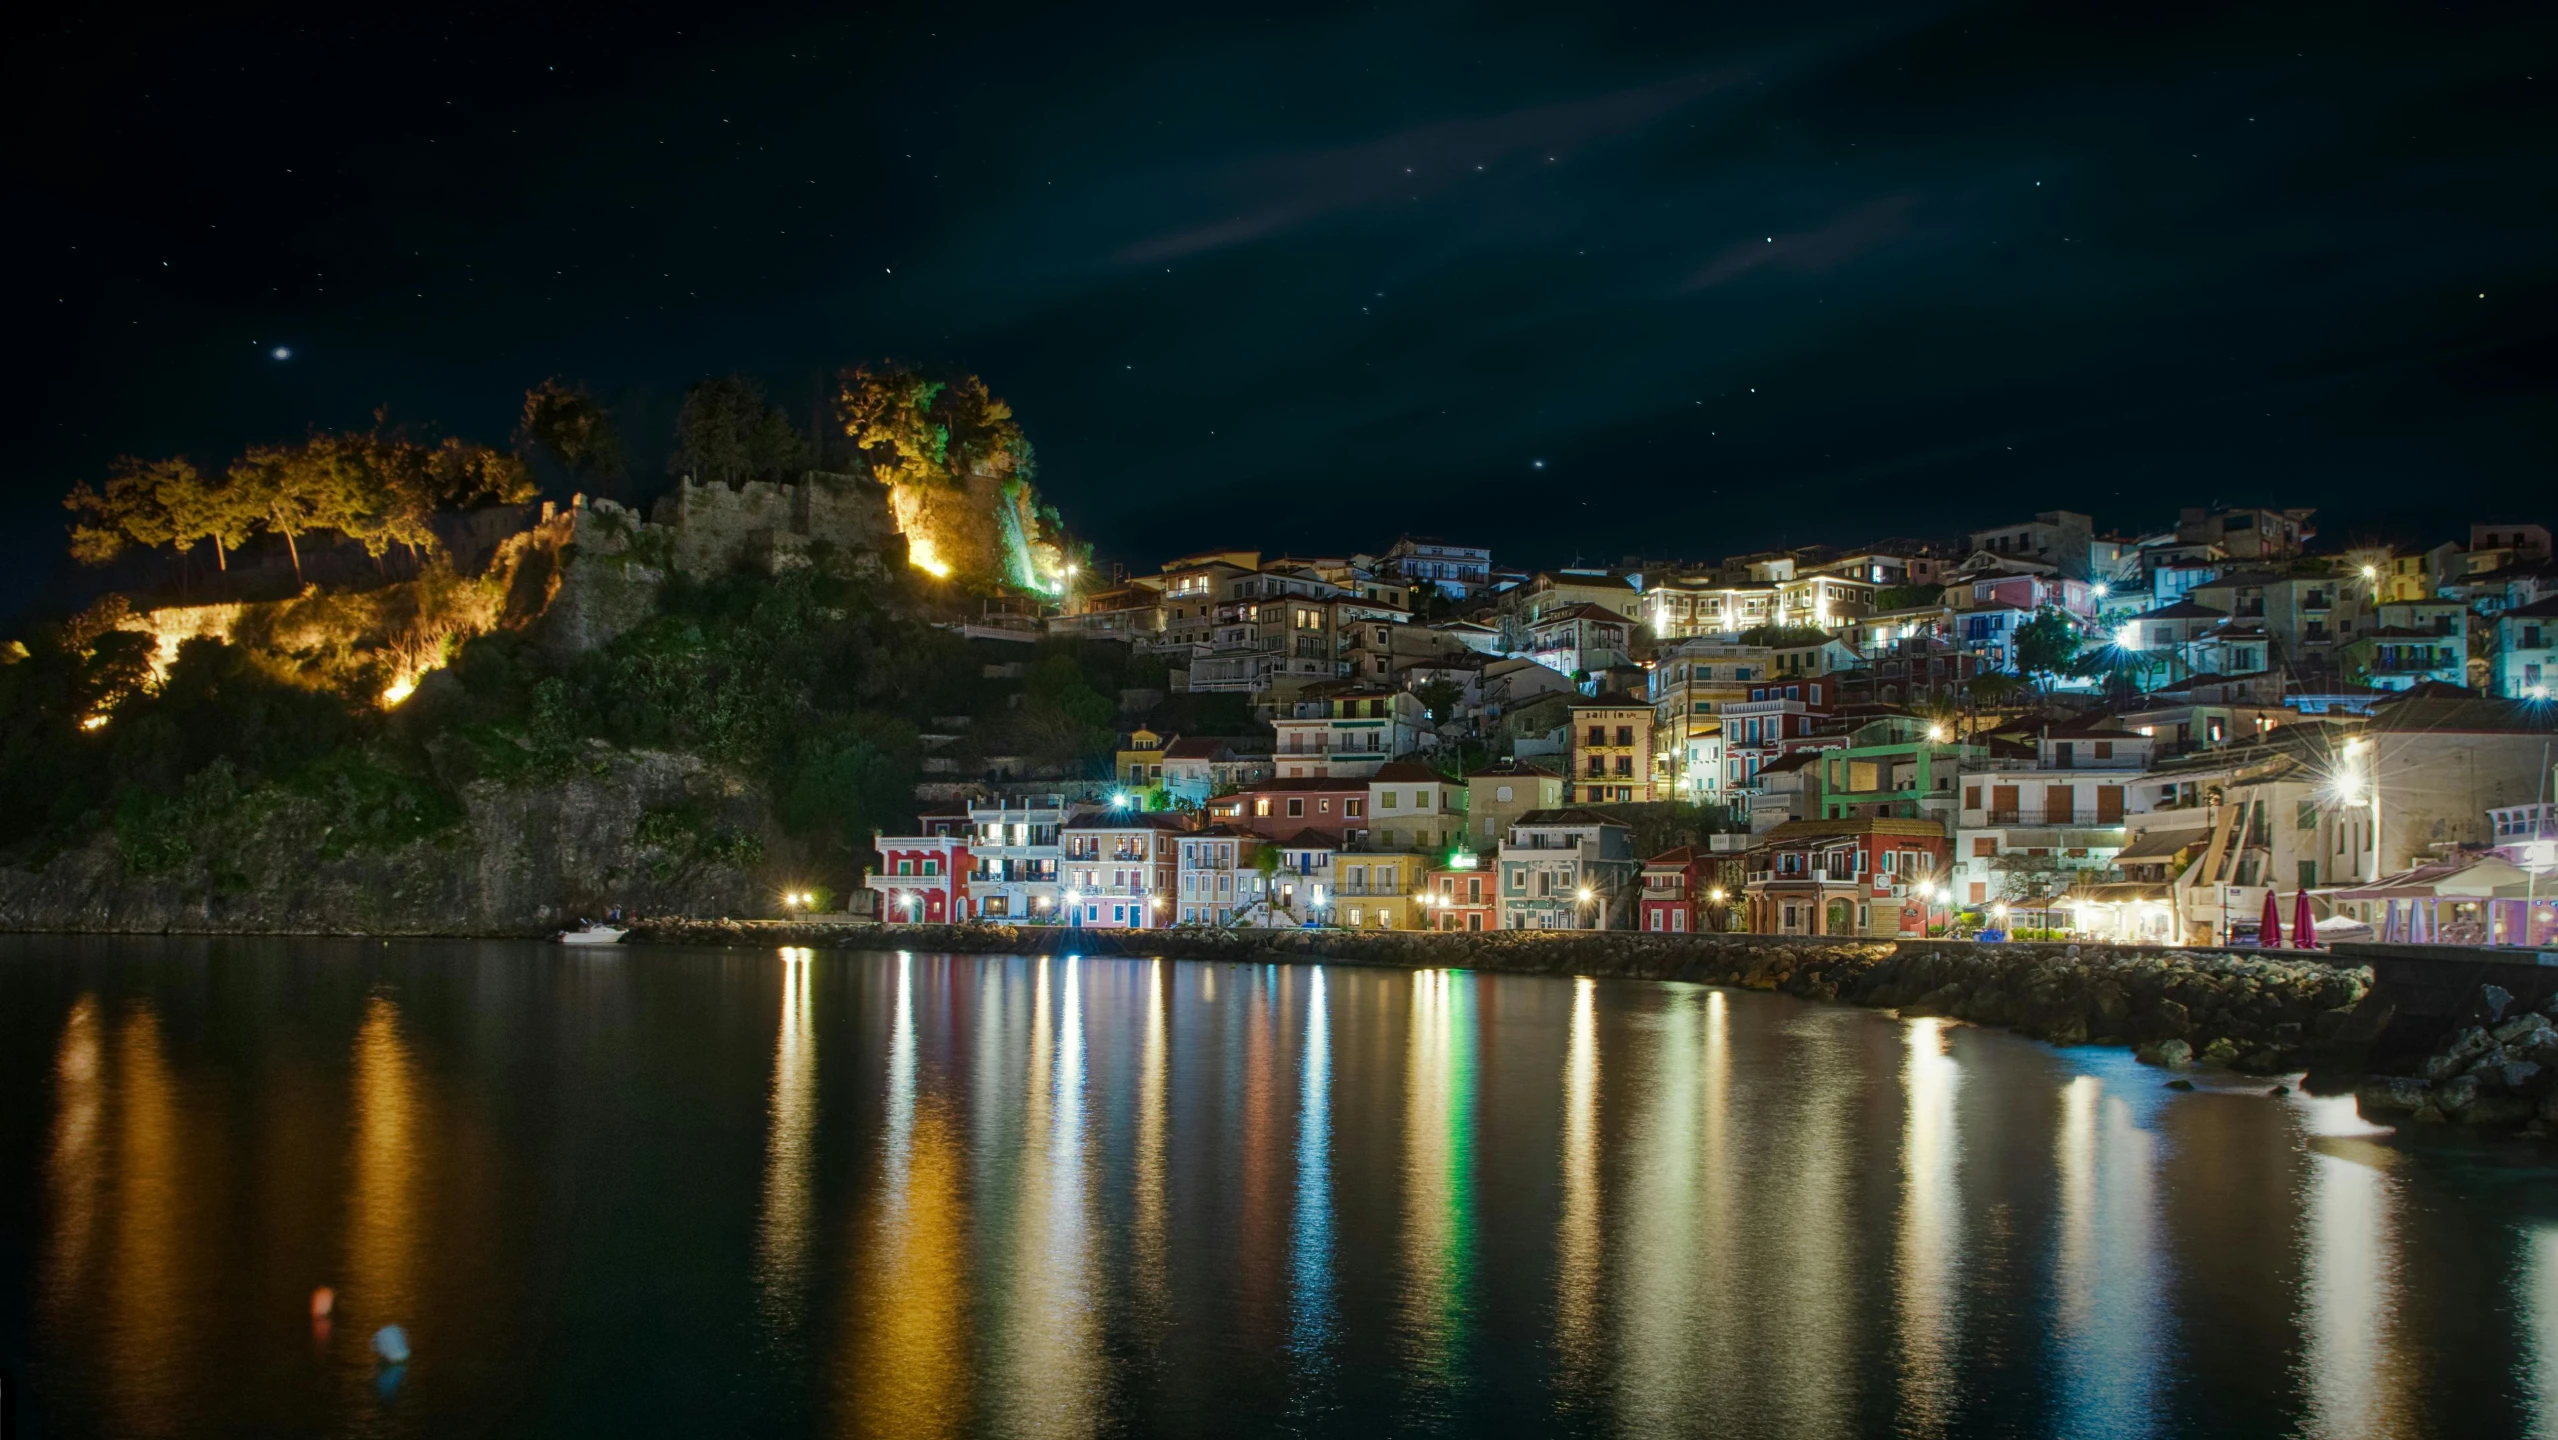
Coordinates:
(1278,194)
(1847,236)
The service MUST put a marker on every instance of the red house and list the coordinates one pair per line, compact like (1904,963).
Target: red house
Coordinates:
(1680,893)
(1461,899)
(1844,877)
(923,878)
(1334,806)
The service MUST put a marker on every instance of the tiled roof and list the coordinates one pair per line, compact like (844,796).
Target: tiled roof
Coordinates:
(2183,610)
(1569,815)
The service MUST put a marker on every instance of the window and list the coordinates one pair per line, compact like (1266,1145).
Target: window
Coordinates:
(1296,805)
(1387,800)
(1261,806)
(1625,734)
(1353,807)
(1598,735)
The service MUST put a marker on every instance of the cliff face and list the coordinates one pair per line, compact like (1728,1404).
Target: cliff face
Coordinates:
(651,831)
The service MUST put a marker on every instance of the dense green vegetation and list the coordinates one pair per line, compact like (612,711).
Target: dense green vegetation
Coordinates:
(818,688)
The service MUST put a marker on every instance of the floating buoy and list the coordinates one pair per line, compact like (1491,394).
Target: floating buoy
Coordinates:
(323,1300)
(392,1344)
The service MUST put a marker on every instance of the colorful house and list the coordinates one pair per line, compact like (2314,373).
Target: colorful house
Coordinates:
(1680,893)
(1568,869)
(923,878)
(1844,877)
(1463,897)
(1612,748)
(1120,868)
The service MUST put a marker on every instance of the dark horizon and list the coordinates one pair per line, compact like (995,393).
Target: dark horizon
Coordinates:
(1668,281)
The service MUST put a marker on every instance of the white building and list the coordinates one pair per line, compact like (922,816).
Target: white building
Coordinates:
(1017,855)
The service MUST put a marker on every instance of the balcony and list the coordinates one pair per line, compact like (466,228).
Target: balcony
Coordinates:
(2044,816)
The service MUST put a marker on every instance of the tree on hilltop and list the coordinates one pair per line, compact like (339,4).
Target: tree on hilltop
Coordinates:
(916,430)
(726,432)
(570,425)
(147,504)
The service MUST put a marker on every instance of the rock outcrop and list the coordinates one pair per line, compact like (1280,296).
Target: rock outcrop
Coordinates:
(651,831)
(2501,1073)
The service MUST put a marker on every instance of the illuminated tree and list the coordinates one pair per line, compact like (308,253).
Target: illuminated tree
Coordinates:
(916,430)
(207,507)
(130,511)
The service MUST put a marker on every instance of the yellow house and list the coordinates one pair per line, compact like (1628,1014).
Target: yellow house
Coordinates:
(1379,891)
(1141,760)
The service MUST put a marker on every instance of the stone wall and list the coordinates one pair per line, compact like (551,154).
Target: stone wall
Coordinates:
(843,521)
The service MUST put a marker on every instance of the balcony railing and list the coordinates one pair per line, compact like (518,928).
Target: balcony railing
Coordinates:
(2047,816)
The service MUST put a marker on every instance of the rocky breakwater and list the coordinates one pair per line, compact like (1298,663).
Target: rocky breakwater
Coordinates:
(2254,1013)
(2500,1073)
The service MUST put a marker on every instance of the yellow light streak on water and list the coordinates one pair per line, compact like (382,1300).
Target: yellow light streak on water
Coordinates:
(1930,1233)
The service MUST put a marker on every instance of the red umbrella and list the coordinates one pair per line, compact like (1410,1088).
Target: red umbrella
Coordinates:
(2304,933)
(2269,931)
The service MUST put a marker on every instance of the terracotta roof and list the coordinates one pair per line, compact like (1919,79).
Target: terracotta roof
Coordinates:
(2545,605)
(1162,821)
(1302,784)
(2183,610)
(1581,611)
(1204,748)
(1869,825)
(1311,840)
(1611,700)
(1522,768)
(1681,856)
(1405,772)
(1569,815)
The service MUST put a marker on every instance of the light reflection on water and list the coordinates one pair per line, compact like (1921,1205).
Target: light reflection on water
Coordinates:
(1438,1193)
(1930,1240)
(2107,1277)
(1075,1196)
(2355,1366)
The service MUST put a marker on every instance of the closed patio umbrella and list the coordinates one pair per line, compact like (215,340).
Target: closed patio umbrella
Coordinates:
(2269,931)
(2304,930)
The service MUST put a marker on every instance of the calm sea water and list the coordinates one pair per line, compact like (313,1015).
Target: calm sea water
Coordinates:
(691,1192)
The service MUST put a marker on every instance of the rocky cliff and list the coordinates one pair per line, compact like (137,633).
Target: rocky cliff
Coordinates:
(651,831)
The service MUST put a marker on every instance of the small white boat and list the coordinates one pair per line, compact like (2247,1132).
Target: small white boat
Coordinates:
(591,934)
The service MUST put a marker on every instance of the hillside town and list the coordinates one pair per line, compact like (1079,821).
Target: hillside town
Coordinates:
(2216,733)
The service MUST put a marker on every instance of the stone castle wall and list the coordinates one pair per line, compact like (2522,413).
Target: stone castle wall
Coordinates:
(843,520)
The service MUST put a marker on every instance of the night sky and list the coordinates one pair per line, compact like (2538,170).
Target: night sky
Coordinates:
(1570,279)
